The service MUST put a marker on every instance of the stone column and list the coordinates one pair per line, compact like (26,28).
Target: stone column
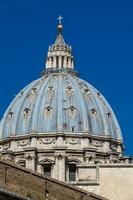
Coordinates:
(50,62)
(119,149)
(72,64)
(54,61)
(61,161)
(56,167)
(60,62)
(69,63)
(106,146)
(59,168)
(65,62)
(30,160)
(39,169)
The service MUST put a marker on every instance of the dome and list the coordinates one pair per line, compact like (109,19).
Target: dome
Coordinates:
(61,126)
(60,102)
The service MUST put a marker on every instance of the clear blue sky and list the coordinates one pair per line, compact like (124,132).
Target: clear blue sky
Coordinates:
(101,34)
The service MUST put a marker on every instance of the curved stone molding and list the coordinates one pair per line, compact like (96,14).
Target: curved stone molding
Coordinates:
(22,163)
(47,140)
(96,143)
(23,142)
(73,141)
(46,161)
(114,147)
(6,146)
(73,161)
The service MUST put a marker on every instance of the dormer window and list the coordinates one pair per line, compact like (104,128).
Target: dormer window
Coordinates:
(48,108)
(98,94)
(72,108)
(93,111)
(73,128)
(11,114)
(108,114)
(34,91)
(50,89)
(86,91)
(69,89)
(26,111)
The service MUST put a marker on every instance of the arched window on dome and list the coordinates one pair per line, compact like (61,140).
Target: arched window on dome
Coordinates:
(26,111)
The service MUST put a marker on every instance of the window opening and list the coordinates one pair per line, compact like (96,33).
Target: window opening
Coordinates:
(72,172)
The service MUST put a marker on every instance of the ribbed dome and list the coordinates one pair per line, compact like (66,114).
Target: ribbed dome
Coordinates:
(59,102)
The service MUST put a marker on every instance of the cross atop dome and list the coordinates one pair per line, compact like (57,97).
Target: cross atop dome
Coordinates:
(60,18)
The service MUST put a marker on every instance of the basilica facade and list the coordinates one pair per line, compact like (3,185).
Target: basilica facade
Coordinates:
(62,127)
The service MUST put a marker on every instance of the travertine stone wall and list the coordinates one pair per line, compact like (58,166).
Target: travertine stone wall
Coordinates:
(115,181)
(30,184)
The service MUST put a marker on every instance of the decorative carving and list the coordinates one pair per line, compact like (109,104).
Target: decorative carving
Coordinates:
(6,146)
(96,143)
(73,141)
(23,142)
(69,89)
(114,147)
(50,89)
(60,157)
(47,140)
(46,161)
(87,91)
(33,91)
(93,111)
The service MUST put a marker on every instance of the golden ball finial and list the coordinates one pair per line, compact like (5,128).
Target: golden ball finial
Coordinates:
(60,27)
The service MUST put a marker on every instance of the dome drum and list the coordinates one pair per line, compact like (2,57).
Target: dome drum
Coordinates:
(105,149)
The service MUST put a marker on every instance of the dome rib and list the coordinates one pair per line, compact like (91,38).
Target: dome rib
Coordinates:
(36,123)
(20,127)
(59,106)
(103,123)
(81,104)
